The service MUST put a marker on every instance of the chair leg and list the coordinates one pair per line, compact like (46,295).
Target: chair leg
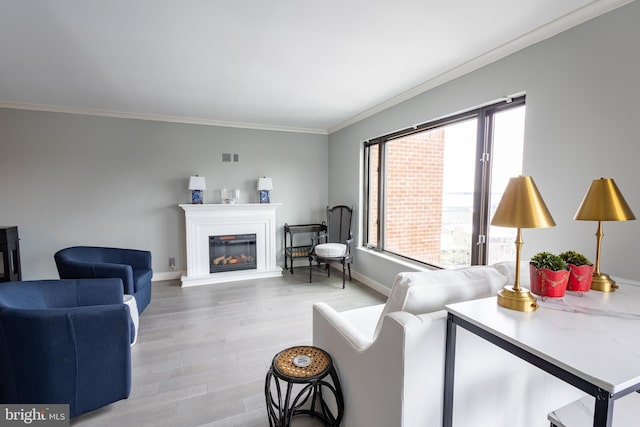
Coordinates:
(310,268)
(343,266)
(349,267)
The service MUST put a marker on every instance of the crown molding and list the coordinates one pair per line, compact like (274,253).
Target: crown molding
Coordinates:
(586,13)
(155,117)
(559,25)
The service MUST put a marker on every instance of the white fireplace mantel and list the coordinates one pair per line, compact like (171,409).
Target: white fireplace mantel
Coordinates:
(207,220)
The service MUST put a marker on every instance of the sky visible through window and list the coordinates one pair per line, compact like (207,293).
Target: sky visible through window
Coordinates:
(507,152)
(459,174)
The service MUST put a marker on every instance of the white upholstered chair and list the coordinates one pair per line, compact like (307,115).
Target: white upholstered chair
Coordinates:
(390,359)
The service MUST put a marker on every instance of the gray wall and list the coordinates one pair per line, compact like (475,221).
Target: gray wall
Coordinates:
(81,180)
(582,123)
(71,179)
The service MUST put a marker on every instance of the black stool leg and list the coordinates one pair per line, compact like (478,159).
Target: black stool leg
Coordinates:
(272,405)
(288,412)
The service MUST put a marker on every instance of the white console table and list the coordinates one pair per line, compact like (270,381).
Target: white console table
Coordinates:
(591,342)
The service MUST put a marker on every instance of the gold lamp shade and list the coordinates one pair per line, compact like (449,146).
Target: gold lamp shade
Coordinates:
(603,202)
(521,206)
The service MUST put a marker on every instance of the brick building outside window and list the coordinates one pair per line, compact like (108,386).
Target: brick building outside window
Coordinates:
(433,186)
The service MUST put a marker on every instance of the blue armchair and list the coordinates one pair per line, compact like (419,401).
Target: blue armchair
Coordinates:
(131,265)
(64,341)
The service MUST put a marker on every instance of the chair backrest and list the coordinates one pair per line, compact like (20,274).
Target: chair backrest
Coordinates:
(339,223)
(508,268)
(92,254)
(429,291)
(67,293)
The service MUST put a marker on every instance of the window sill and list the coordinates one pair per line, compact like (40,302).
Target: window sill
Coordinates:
(414,265)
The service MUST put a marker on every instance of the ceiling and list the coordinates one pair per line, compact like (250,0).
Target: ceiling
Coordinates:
(281,64)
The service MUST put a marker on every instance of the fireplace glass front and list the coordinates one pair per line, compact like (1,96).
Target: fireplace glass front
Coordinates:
(232,252)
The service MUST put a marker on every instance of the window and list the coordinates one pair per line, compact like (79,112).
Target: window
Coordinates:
(431,190)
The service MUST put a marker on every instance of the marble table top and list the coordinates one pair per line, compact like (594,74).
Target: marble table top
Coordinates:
(580,412)
(595,335)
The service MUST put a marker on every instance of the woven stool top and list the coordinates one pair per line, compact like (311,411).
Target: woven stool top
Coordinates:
(302,362)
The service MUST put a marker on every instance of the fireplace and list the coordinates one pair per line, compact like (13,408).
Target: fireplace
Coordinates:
(240,219)
(232,252)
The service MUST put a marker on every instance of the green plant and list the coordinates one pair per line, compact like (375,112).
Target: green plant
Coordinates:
(575,258)
(549,261)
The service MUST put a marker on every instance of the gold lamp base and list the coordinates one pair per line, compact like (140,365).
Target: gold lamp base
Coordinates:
(603,283)
(517,299)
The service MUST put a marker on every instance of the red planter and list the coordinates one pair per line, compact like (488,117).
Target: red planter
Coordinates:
(580,278)
(548,283)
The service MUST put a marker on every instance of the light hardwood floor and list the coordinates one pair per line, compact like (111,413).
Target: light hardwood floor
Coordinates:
(203,352)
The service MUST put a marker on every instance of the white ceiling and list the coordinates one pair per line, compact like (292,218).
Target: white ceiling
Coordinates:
(282,64)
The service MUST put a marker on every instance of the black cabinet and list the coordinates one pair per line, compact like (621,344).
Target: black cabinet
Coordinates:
(10,253)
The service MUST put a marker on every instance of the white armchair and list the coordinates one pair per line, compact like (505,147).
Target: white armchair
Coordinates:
(390,359)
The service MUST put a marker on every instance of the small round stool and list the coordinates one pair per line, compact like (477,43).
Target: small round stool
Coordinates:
(302,365)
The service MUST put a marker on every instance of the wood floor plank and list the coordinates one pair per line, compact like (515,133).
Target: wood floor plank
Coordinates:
(203,352)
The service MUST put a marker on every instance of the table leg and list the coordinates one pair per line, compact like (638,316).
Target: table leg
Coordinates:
(285,251)
(449,367)
(603,412)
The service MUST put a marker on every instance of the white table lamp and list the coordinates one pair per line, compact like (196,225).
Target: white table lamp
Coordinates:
(197,184)
(264,186)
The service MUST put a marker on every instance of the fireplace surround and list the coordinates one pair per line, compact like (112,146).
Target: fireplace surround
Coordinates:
(209,220)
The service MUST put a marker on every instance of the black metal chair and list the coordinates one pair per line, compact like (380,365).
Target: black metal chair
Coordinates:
(334,246)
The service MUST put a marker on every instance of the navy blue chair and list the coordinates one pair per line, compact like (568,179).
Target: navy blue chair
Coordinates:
(64,342)
(132,266)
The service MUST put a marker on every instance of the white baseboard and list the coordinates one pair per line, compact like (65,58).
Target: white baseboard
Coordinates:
(167,275)
(367,281)
(376,286)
